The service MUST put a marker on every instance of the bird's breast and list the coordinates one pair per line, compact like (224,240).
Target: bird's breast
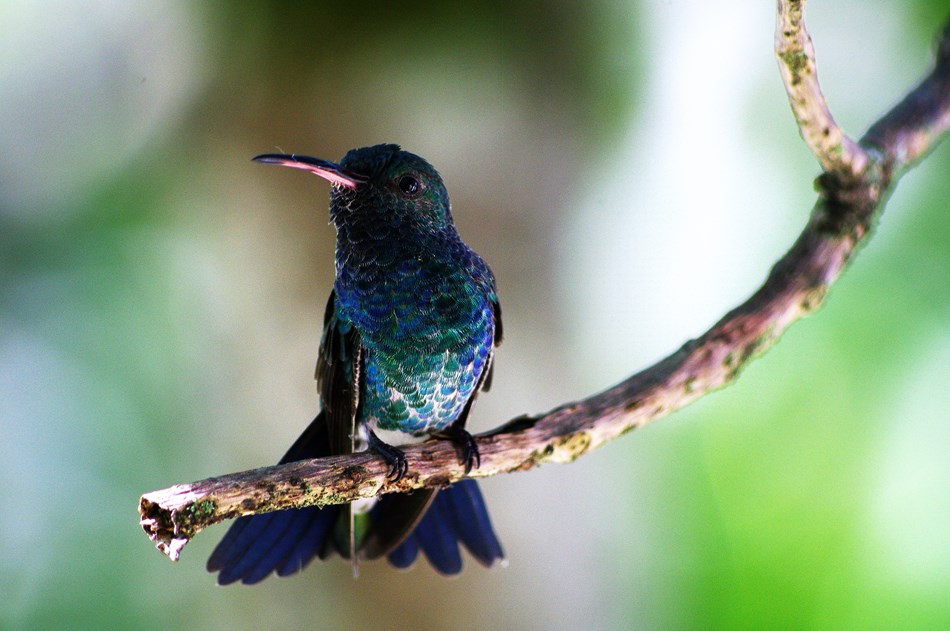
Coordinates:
(426,324)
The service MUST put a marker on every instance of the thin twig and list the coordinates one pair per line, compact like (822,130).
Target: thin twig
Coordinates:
(851,190)
(836,152)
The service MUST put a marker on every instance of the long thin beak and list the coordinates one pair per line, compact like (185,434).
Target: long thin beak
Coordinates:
(327,170)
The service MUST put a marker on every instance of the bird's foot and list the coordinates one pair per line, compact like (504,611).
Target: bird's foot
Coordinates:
(394,457)
(465,445)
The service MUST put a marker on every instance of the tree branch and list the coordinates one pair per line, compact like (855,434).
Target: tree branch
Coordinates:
(857,176)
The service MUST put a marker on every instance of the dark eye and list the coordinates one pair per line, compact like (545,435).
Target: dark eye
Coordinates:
(409,185)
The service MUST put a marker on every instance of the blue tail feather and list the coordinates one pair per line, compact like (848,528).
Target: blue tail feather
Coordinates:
(438,541)
(470,520)
(239,540)
(308,544)
(265,547)
(282,542)
(457,515)
(405,555)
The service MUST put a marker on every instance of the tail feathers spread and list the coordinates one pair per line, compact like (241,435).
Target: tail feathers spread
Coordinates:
(457,515)
(286,541)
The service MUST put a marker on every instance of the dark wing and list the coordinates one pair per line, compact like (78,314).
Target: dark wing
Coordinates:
(338,377)
(499,330)
(499,334)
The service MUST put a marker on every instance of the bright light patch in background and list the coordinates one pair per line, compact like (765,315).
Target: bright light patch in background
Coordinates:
(907,536)
(667,211)
(62,123)
(698,201)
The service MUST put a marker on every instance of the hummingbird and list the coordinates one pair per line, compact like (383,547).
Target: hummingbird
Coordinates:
(408,342)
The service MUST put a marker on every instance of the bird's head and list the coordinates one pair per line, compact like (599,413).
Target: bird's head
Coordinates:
(382,180)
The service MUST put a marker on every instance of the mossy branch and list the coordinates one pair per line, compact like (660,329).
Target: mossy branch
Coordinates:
(856,179)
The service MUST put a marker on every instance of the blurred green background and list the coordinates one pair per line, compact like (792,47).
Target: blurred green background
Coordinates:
(630,170)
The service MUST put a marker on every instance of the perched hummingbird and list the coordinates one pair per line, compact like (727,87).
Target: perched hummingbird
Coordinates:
(408,341)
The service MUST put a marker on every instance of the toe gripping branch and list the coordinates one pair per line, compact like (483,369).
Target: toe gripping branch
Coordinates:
(465,445)
(394,457)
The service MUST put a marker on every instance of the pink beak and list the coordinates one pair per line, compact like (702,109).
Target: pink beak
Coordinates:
(330,171)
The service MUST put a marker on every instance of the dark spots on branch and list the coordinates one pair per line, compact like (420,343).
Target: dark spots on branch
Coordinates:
(354,473)
(633,405)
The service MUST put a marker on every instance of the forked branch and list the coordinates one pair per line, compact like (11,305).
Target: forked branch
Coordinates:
(856,179)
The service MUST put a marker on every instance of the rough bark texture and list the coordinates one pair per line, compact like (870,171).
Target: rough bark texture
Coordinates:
(857,176)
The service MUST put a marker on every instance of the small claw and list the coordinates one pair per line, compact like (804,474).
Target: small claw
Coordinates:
(394,457)
(465,443)
(404,469)
(472,456)
(399,466)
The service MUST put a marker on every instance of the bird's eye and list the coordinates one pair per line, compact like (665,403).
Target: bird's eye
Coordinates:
(409,185)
